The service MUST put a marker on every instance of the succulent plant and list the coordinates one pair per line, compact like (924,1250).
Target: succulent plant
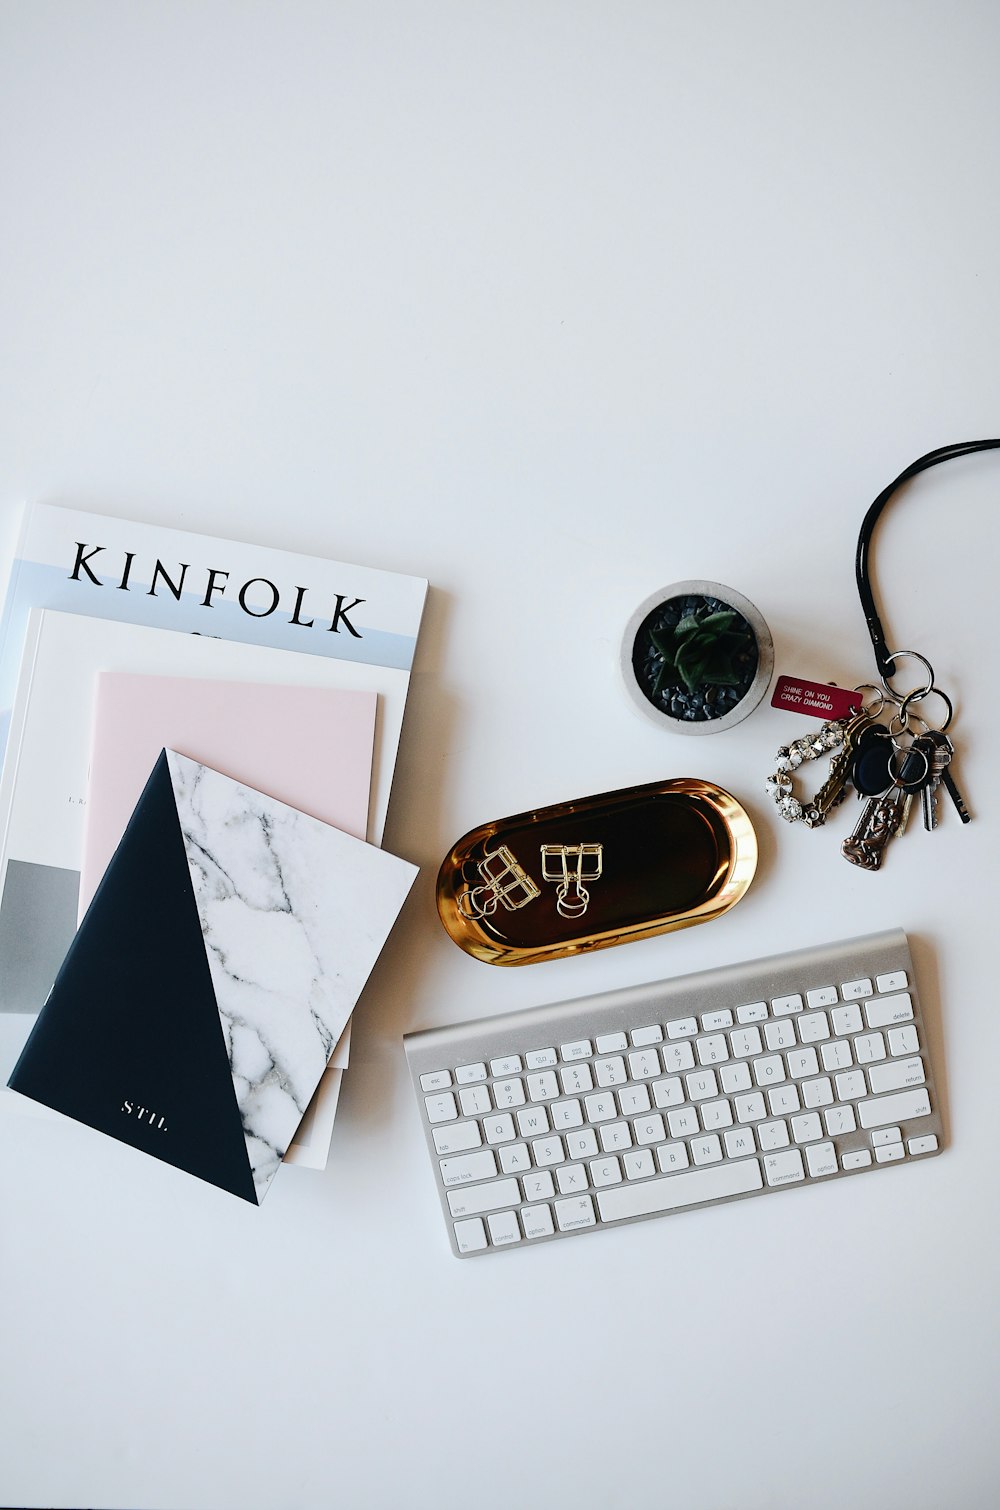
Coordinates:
(699,651)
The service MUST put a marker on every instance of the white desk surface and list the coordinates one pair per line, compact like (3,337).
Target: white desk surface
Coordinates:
(554,304)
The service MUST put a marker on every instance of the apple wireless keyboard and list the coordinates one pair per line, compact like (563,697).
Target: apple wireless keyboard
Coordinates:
(731,1082)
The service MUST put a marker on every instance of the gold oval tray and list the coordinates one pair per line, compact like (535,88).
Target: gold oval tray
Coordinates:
(597,871)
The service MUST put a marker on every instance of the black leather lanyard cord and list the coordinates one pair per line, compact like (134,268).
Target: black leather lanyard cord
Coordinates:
(883,658)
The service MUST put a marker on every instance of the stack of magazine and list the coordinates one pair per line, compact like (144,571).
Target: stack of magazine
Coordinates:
(281,676)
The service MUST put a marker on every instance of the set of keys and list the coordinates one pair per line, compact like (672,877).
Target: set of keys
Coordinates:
(886,771)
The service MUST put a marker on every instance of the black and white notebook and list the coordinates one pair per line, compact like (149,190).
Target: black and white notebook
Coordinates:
(214,971)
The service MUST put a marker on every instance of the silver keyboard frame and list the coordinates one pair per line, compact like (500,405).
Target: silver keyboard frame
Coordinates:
(729,986)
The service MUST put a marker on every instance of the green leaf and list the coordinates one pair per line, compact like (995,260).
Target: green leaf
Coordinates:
(687,626)
(719,620)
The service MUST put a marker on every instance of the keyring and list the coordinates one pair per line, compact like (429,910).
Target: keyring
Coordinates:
(912,697)
(871,687)
(917,692)
(898,750)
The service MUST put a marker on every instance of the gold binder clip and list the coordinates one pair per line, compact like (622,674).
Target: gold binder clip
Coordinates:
(505,882)
(569,865)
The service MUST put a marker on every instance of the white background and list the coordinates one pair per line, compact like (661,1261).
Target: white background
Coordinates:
(554,304)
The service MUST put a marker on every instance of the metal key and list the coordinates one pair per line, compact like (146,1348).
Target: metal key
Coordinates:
(944,752)
(833,789)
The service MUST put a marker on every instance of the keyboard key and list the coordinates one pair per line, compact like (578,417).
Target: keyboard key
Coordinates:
(837,1055)
(852,990)
(817,1093)
(503,1229)
(813,1026)
(466,1169)
(482,1198)
(642,1037)
(712,1050)
(903,1040)
(783,1006)
(677,1057)
(772,1135)
(683,1122)
(578,1212)
(669,1193)
(532,1122)
(888,1010)
(581,1049)
(706,1150)
(755,1011)
(457,1138)
(582,1144)
(543,1087)
(783,1100)
(438,1080)
(711,1022)
(441,1108)
(649,1129)
(895,981)
(468,1074)
(672,1157)
(644,1064)
(769,1071)
(499,1129)
(896,1075)
(610,1071)
(902,1107)
(633,1100)
(822,1159)
(802,1063)
(639,1164)
(601,1108)
(823,996)
(605,1172)
(889,1153)
(716,1115)
(922,1145)
(807,1128)
(847,1019)
(682,1027)
(540,1059)
(883,1135)
(514,1158)
(840,1120)
(571,1178)
(538,1186)
(783,1168)
(509,1065)
(701,1085)
(858,1158)
(566,1114)
(668,1092)
(868,1047)
(615,1136)
(547,1151)
(508,1093)
(739,1143)
(577,1080)
(750,1108)
(746,1041)
(470,1236)
(850,1086)
(611,1043)
(779,1035)
(735,1077)
(537,1221)
(475,1100)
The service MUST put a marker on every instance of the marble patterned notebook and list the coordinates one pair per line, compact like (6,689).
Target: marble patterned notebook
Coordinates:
(220,958)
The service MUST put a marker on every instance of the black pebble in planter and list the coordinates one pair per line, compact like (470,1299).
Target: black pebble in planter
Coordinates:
(697,657)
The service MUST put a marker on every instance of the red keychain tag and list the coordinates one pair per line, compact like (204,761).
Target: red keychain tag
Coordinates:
(816,699)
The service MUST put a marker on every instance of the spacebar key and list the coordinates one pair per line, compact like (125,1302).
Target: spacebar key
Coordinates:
(737,1178)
